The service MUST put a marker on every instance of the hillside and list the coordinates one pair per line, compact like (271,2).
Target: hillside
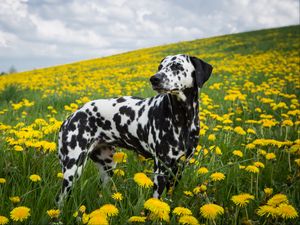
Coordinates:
(247,162)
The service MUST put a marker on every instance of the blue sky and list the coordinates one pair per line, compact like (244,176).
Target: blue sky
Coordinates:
(41,33)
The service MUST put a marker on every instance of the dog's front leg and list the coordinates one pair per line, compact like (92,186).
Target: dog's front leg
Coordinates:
(160,178)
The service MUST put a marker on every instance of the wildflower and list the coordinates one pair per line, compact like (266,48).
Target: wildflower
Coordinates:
(242,200)
(109,210)
(267,210)
(2,180)
(159,209)
(119,172)
(98,219)
(15,199)
(212,137)
(218,151)
(287,211)
(35,178)
(250,146)
(82,208)
(268,191)
(188,193)
(53,213)
(202,170)
(270,156)
(3,220)
(238,153)
(120,157)
(259,164)
(142,180)
(188,220)
(217,176)
(211,211)
(252,169)
(85,218)
(137,219)
(18,148)
(251,131)
(180,211)
(239,130)
(262,152)
(20,213)
(117,196)
(60,175)
(287,123)
(277,199)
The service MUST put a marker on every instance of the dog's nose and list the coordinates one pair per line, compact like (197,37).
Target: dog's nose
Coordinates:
(155,80)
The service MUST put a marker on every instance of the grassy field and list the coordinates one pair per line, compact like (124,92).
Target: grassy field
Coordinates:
(250,117)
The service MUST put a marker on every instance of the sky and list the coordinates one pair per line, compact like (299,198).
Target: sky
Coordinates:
(42,33)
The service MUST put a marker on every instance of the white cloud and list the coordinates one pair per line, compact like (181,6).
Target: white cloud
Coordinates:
(64,31)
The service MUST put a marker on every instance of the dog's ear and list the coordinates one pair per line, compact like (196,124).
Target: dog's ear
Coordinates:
(202,70)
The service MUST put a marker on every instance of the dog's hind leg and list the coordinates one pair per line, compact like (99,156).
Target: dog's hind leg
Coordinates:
(72,166)
(102,155)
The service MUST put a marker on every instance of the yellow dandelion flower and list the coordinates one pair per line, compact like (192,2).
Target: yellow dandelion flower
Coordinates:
(250,146)
(137,219)
(217,176)
(270,156)
(288,123)
(119,172)
(109,210)
(159,209)
(142,180)
(202,170)
(3,220)
(259,164)
(211,211)
(267,210)
(53,213)
(287,211)
(211,137)
(15,199)
(188,220)
(218,151)
(262,152)
(251,131)
(82,208)
(239,130)
(180,211)
(252,169)
(98,219)
(2,180)
(20,213)
(278,199)
(242,200)
(188,193)
(242,167)
(238,153)
(120,157)
(85,218)
(117,196)
(268,191)
(18,148)
(35,178)
(60,175)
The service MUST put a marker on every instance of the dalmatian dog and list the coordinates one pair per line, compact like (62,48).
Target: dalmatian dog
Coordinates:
(164,127)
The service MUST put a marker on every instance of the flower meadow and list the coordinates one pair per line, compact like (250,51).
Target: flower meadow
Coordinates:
(245,170)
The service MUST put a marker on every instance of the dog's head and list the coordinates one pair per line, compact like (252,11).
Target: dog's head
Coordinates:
(179,72)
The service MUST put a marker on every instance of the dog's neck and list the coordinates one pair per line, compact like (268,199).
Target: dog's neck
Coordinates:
(185,106)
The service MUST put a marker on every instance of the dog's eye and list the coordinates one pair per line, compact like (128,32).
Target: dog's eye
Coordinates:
(160,67)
